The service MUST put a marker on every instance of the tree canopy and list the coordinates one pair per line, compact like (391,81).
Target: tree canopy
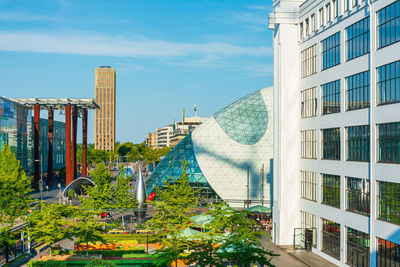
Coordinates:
(14,188)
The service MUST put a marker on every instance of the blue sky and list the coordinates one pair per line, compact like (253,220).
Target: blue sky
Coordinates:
(168,55)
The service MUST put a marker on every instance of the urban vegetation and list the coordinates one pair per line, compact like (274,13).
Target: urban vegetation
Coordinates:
(228,236)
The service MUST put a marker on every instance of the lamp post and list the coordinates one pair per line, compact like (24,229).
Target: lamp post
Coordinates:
(59,193)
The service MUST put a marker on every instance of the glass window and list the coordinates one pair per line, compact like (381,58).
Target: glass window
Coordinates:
(346,5)
(312,23)
(321,17)
(301,31)
(389,142)
(389,83)
(331,143)
(357,39)
(388,26)
(328,12)
(309,185)
(309,102)
(309,144)
(358,195)
(307,26)
(309,224)
(331,190)
(335,8)
(331,97)
(389,202)
(331,51)
(388,254)
(357,90)
(357,248)
(358,143)
(331,238)
(309,61)
(353,3)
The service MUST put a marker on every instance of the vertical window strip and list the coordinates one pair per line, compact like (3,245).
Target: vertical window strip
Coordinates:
(358,39)
(388,26)
(309,144)
(389,142)
(358,143)
(309,185)
(331,51)
(388,83)
(309,61)
(358,195)
(331,143)
(331,238)
(309,103)
(331,190)
(389,202)
(331,97)
(358,90)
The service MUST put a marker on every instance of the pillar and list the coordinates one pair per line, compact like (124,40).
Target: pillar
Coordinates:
(74,135)
(84,144)
(50,155)
(36,122)
(68,167)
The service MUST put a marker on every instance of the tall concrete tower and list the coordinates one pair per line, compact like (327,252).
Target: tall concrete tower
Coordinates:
(105,116)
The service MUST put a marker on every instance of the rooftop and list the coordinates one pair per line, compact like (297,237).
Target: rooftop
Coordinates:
(59,103)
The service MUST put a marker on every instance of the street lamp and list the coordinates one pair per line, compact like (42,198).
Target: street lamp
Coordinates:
(59,193)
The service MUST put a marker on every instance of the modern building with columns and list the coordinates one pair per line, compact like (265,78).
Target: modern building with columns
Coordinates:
(72,109)
(337,129)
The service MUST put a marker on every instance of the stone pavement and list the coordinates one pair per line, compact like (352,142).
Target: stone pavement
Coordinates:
(294,258)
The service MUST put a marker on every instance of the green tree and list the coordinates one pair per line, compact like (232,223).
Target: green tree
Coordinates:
(124,148)
(123,199)
(14,188)
(173,208)
(7,240)
(101,263)
(243,244)
(100,196)
(88,228)
(52,222)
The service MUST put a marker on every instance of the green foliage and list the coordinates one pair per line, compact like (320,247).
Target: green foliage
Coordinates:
(172,213)
(71,194)
(7,240)
(88,228)
(101,195)
(110,253)
(141,255)
(51,223)
(101,263)
(140,238)
(35,263)
(14,188)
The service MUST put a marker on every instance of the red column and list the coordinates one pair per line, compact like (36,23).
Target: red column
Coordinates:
(84,144)
(74,133)
(68,167)
(36,122)
(50,156)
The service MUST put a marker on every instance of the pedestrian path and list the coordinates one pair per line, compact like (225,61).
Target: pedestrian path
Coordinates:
(294,258)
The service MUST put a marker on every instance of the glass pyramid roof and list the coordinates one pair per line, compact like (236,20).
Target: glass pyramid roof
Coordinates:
(245,120)
(171,166)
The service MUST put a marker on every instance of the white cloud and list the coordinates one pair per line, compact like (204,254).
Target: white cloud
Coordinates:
(118,46)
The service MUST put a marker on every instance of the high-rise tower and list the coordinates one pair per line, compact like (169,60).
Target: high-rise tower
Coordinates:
(105,116)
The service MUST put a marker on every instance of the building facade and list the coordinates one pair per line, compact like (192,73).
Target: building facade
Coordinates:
(151,140)
(16,131)
(58,144)
(183,128)
(163,135)
(229,155)
(337,77)
(105,116)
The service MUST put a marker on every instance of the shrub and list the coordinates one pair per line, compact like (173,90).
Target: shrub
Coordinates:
(34,263)
(109,253)
(101,263)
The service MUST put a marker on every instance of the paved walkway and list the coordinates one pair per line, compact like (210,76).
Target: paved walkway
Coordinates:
(294,258)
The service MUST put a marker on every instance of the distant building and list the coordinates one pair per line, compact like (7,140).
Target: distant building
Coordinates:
(151,140)
(163,136)
(16,131)
(182,129)
(105,116)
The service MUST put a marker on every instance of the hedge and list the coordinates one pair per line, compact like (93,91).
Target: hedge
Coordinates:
(109,253)
(35,263)
(135,255)
(141,238)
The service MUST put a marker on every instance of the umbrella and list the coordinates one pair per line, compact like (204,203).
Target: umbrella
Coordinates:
(202,219)
(260,209)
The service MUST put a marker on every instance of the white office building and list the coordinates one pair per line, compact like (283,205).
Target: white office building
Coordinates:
(337,129)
